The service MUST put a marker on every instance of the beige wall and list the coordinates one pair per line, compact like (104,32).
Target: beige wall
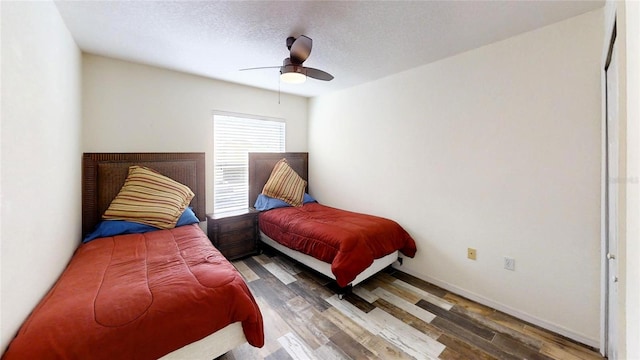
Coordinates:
(496,149)
(132,107)
(41,155)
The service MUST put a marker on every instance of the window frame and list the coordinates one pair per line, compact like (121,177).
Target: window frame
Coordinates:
(219,205)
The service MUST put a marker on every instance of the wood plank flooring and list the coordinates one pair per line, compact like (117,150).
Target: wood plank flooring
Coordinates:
(390,316)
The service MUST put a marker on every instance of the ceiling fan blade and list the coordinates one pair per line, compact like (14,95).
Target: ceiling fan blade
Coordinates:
(318,74)
(262,67)
(300,49)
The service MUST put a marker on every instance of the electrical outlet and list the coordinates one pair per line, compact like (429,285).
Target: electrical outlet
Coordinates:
(471,253)
(509,263)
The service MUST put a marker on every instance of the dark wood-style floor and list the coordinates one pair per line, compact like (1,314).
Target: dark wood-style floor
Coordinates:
(390,316)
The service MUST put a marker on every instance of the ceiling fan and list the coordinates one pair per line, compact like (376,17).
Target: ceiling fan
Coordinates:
(292,70)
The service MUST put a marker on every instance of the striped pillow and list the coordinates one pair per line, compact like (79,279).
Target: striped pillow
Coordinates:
(148,197)
(285,184)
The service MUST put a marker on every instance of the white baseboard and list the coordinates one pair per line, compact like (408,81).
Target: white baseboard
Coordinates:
(594,343)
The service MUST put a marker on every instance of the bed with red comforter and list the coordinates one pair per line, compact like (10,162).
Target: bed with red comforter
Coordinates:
(349,241)
(138,296)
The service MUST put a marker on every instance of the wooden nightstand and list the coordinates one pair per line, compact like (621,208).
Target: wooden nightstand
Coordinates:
(234,233)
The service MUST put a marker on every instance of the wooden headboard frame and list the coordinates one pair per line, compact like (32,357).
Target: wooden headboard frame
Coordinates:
(261,164)
(103,175)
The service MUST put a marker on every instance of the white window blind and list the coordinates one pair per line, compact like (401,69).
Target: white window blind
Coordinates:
(234,137)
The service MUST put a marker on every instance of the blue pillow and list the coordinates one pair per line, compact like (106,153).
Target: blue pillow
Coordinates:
(117,227)
(188,217)
(121,227)
(264,202)
(308,199)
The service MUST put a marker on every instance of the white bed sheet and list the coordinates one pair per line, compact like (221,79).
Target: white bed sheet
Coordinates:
(212,346)
(325,268)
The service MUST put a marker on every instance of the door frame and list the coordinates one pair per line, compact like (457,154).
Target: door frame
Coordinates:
(605,275)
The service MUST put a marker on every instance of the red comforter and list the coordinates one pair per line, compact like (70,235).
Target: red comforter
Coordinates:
(348,241)
(138,296)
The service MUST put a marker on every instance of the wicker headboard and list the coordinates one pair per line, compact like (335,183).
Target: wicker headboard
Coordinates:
(103,175)
(261,164)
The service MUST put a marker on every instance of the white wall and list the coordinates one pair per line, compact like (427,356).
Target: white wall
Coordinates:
(130,107)
(41,156)
(496,149)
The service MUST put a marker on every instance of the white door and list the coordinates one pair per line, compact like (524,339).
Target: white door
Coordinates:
(612,202)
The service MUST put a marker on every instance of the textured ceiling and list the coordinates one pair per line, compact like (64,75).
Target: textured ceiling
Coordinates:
(355,41)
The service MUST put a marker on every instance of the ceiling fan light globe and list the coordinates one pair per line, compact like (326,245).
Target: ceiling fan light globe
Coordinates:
(293,77)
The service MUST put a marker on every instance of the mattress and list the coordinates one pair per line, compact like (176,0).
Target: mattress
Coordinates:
(138,296)
(349,241)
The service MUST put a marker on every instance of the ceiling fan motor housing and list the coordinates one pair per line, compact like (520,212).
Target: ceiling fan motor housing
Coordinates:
(288,66)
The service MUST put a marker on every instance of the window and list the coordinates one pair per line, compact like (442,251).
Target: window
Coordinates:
(234,137)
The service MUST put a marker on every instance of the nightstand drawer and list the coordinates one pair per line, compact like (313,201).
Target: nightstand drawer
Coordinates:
(241,236)
(236,225)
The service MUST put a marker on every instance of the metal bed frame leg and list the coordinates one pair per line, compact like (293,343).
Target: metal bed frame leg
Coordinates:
(344,291)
